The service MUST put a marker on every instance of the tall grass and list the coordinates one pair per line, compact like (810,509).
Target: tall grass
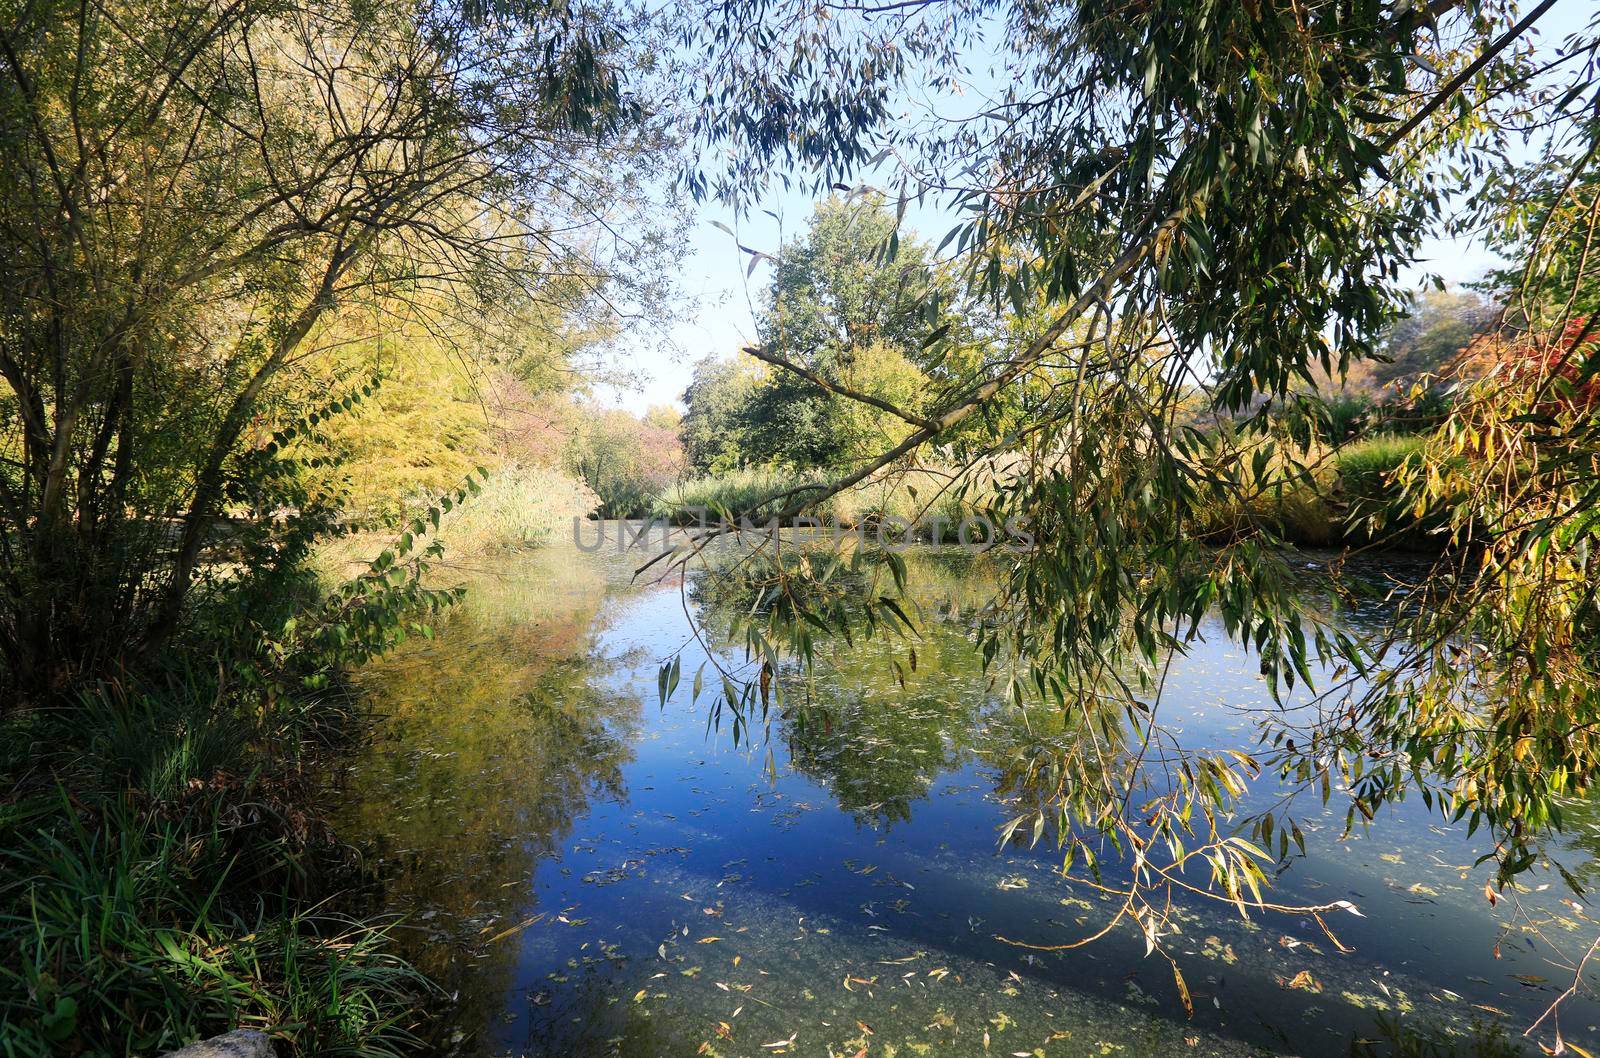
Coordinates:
(735,491)
(1351,498)
(1375,508)
(122,939)
(916,496)
(518,507)
(163,877)
(1366,468)
(1349,485)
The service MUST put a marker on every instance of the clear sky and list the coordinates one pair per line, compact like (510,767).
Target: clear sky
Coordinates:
(721,295)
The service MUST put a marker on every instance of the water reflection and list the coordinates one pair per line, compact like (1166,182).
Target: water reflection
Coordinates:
(495,739)
(592,874)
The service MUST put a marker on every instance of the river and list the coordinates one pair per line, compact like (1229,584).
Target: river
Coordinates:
(588,873)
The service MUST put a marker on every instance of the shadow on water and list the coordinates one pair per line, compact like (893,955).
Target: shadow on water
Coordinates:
(589,873)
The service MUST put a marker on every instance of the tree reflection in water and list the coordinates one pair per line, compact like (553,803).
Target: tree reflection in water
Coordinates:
(494,739)
(527,716)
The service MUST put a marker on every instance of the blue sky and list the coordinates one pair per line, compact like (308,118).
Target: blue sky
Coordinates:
(718,317)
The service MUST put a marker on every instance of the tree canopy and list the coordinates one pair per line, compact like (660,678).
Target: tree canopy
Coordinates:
(198,201)
(841,316)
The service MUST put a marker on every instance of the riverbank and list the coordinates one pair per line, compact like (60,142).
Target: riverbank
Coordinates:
(168,874)
(1348,496)
(168,865)
(167,870)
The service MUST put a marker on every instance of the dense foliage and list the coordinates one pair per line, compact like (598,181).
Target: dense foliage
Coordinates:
(628,461)
(201,203)
(274,270)
(842,319)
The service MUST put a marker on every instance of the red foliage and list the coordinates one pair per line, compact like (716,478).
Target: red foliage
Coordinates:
(1555,369)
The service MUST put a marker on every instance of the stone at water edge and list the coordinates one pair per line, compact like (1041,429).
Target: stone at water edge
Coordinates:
(240,1043)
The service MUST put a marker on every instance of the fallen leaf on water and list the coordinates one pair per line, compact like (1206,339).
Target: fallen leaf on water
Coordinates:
(518,928)
(1301,982)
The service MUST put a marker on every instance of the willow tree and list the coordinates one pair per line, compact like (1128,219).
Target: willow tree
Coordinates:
(1219,201)
(192,192)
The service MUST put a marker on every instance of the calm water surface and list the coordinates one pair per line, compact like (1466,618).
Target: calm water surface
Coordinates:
(591,874)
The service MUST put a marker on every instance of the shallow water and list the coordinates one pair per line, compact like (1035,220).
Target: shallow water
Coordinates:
(590,873)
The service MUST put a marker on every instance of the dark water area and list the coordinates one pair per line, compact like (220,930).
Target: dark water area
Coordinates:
(588,873)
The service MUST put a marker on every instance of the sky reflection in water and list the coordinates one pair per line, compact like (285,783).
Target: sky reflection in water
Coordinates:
(590,874)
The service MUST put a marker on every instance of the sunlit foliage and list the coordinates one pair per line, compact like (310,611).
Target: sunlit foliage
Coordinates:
(1218,201)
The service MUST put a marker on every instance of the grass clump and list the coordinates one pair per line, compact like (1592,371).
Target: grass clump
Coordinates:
(165,876)
(1349,497)
(129,938)
(1366,468)
(1375,507)
(735,491)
